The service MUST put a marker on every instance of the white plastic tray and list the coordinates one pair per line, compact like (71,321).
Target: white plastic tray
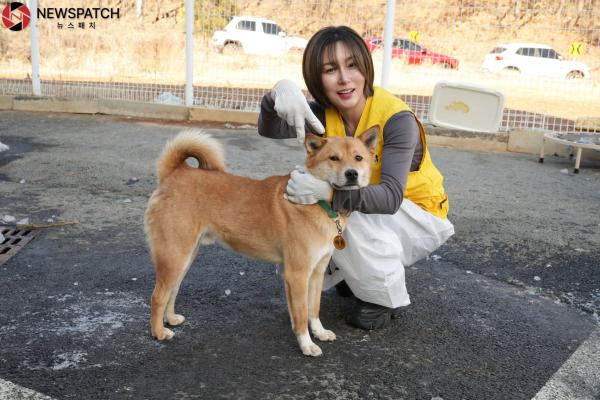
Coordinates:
(467,107)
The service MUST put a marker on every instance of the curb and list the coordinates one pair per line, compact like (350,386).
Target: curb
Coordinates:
(579,376)
(515,140)
(466,140)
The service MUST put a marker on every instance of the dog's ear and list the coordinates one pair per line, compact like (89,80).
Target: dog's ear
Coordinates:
(313,143)
(370,137)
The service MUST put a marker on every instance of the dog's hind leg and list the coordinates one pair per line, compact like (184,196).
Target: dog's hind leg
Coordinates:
(172,263)
(315,286)
(296,290)
(171,317)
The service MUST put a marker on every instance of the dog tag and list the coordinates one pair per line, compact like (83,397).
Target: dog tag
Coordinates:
(339,242)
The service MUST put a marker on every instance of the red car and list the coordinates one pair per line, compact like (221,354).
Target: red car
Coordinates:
(412,52)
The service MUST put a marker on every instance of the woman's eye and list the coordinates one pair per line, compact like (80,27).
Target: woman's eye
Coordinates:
(329,70)
(334,158)
(358,158)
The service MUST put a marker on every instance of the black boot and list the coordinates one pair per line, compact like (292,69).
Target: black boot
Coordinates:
(369,316)
(343,290)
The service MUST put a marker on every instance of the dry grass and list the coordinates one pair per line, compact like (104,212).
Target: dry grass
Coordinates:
(127,50)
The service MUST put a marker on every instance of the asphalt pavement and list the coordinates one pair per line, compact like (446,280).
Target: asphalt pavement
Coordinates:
(507,309)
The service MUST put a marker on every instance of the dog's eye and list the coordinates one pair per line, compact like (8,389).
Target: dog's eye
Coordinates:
(358,158)
(334,158)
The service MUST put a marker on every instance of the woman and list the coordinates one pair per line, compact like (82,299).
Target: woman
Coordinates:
(401,216)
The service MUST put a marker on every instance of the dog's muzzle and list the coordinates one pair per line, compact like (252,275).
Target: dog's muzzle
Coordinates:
(351,177)
(351,181)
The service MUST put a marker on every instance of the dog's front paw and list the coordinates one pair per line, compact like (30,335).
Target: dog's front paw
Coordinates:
(164,334)
(311,350)
(175,319)
(325,335)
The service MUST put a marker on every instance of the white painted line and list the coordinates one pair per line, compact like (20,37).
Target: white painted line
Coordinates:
(11,391)
(579,377)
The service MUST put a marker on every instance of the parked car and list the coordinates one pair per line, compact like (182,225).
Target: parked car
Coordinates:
(412,52)
(533,59)
(258,36)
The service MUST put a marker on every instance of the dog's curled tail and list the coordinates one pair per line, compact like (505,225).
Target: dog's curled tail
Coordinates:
(191,143)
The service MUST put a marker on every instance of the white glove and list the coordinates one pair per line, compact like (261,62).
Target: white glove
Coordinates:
(304,188)
(291,106)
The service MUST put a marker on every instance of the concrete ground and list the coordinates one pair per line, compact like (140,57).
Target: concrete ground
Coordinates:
(507,309)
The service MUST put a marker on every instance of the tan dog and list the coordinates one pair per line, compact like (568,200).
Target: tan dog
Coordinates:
(194,206)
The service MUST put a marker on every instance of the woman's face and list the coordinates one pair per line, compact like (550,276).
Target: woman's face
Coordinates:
(343,83)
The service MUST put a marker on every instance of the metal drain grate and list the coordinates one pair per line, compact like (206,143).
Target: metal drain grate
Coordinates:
(14,240)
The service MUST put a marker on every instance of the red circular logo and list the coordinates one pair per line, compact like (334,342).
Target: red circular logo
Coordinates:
(16,16)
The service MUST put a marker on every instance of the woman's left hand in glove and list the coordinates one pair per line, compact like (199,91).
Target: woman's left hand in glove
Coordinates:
(304,188)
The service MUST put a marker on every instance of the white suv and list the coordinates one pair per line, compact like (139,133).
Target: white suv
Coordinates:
(258,36)
(533,59)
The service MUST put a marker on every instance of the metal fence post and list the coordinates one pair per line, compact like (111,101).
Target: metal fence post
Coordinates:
(189,53)
(35,49)
(388,39)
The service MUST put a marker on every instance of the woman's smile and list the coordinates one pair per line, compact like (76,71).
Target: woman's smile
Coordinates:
(346,94)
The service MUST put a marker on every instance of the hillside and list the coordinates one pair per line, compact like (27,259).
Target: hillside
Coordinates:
(465,27)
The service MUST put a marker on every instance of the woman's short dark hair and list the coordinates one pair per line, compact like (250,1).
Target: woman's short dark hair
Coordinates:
(324,41)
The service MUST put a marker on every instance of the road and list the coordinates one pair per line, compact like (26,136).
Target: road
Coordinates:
(497,311)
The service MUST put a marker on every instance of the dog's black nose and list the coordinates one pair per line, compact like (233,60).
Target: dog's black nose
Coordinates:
(351,175)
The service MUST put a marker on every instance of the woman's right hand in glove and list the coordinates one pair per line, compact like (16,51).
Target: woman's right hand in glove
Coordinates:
(291,106)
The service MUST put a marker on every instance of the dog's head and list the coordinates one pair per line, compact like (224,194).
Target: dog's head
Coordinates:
(344,162)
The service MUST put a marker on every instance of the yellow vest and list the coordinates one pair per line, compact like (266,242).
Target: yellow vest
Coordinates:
(424,187)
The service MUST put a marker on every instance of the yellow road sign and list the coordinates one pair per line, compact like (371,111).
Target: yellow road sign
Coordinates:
(576,49)
(414,36)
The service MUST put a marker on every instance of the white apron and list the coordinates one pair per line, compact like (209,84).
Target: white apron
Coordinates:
(379,246)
